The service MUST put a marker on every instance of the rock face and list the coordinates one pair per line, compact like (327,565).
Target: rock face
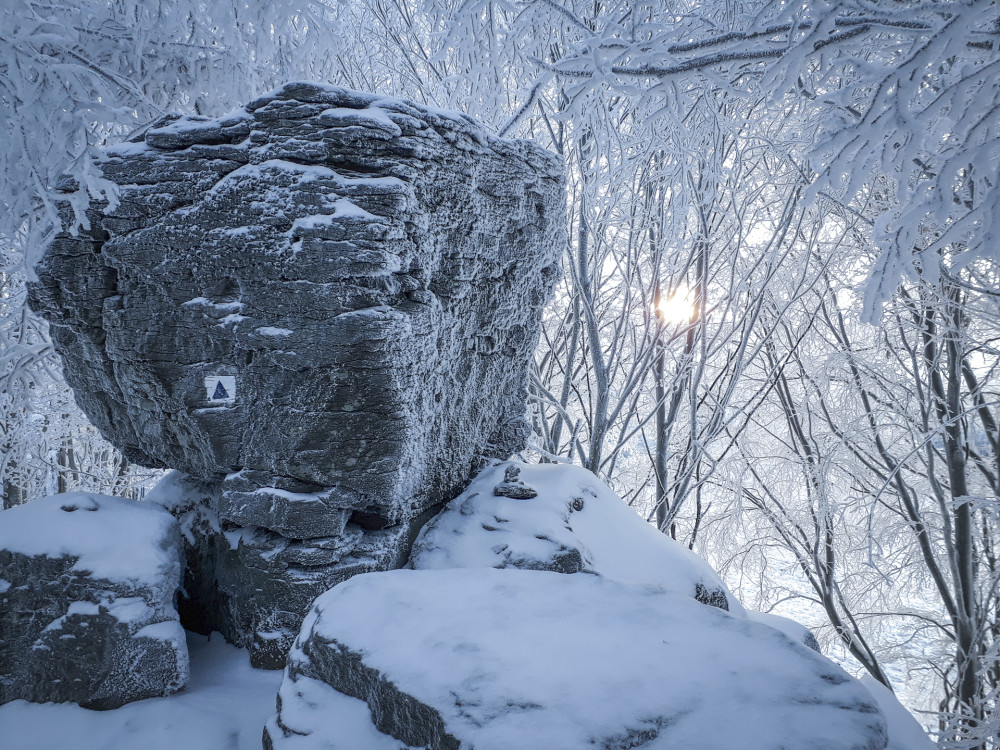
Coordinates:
(255,586)
(87,585)
(322,307)
(327,300)
(498,659)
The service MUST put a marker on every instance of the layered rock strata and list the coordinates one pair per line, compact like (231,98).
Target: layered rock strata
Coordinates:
(253,585)
(321,306)
(87,586)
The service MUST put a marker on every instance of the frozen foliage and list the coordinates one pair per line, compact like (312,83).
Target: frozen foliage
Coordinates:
(573,523)
(87,586)
(75,74)
(904,96)
(495,659)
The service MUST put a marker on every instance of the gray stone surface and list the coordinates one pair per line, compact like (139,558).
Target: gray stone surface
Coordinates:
(254,585)
(321,306)
(327,300)
(87,586)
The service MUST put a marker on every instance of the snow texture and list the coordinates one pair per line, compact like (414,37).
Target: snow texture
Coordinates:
(98,531)
(542,614)
(87,611)
(573,522)
(496,659)
(221,708)
(904,731)
(795,631)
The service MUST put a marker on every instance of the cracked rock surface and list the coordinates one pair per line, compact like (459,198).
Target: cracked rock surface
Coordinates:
(87,614)
(321,308)
(326,300)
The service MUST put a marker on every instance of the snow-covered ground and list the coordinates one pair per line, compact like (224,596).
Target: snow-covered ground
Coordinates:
(226,703)
(223,707)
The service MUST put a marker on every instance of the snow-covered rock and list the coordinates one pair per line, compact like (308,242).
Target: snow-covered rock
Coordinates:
(540,613)
(570,522)
(794,630)
(87,586)
(327,300)
(253,585)
(322,306)
(905,733)
(535,660)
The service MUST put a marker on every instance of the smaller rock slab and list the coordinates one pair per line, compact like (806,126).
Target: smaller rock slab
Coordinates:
(500,659)
(564,519)
(87,586)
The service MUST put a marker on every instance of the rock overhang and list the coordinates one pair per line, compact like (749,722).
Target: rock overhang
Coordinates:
(321,308)
(327,290)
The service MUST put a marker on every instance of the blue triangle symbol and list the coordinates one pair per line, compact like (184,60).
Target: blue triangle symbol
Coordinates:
(220,392)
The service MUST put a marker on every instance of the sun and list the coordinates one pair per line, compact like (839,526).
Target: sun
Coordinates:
(676,308)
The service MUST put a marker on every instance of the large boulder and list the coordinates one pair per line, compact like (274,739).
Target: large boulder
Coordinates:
(321,308)
(500,659)
(87,585)
(327,301)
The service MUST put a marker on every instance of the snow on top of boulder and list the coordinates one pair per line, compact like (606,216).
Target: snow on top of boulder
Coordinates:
(341,107)
(572,510)
(369,117)
(312,707)
(543,660)
(192,123)
(905,733)
(797,632)
(315,91)
(111,537)
(347,102)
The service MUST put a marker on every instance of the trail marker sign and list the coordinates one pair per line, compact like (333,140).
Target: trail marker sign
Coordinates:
(220,389)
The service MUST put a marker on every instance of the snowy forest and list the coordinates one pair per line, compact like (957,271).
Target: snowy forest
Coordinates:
(776,332)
